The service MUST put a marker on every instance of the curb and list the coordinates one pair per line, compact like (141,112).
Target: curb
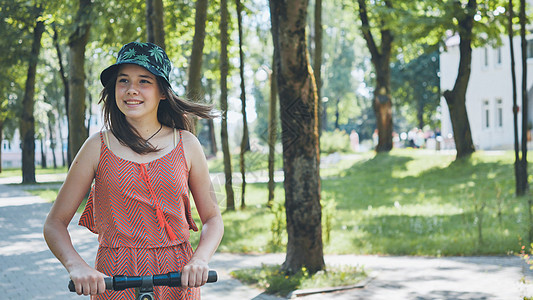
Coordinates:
(307,292)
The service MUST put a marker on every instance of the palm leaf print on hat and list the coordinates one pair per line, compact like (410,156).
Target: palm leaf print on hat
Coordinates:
(129,54)
(157,53)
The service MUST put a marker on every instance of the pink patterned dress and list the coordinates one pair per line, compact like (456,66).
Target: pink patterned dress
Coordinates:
(141,213)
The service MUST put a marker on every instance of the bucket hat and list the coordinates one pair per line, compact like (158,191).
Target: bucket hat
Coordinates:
(147,55)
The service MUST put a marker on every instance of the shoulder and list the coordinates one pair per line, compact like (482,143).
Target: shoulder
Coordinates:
(192,148)
(90,150)
(94,141)
(189,140)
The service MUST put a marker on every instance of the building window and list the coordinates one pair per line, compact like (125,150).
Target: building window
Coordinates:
(499,113)
(486,114)
(530,48)
(499,56)
(485,57)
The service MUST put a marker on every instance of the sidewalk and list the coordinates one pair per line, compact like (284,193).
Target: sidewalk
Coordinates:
(28,270)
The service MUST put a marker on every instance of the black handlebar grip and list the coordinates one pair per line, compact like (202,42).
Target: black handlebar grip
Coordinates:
(108,284)
(212,276)
(170,279)
(71,286)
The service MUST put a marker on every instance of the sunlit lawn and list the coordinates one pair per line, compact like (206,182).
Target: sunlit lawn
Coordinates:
(16,172)
(406,202)
(410,202)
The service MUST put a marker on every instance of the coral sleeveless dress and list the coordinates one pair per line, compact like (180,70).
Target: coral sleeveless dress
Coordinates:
(141,213)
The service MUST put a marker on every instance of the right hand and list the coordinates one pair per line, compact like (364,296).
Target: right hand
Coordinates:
(87,280)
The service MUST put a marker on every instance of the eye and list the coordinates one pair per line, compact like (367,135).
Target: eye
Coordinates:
(145,81)
(122,80)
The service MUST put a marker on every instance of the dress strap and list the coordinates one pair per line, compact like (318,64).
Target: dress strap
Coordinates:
(106,139)
(175,144)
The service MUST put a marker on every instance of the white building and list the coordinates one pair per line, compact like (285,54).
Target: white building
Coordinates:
(489,97)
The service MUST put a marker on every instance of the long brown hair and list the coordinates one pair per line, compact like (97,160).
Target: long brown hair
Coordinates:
(173,111)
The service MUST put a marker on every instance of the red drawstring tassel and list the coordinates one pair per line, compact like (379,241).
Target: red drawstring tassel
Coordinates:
(164,223)
(159,213)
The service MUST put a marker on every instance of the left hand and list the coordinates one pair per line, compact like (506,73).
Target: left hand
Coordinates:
(195,273)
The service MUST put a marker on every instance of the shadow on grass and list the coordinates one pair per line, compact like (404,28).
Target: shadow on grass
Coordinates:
(245,231)
(440,234)
(372,182)
(462,208)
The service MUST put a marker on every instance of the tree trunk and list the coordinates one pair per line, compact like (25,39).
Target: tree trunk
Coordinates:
(212,138)
(194,85)
(420,113)
(27,120)
(77,42)
(380,58)
(64,156)
(456,98)
(52,138)
(317,61)
(1,139)
(224,40)
(272,134)
(210,123)
(155,28)
(245,142)
(43,153)
(299,120)
(510,32)
(337,112)
(66,94)
(524,185)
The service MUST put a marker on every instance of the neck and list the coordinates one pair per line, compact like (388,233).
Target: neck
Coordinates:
(144,128)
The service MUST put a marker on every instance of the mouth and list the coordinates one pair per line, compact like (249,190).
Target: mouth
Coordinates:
(132,102)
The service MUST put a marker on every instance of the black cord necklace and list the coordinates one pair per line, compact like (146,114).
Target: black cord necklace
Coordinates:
(146,141)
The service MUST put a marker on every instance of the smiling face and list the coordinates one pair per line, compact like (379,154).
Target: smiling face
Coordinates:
(137,92)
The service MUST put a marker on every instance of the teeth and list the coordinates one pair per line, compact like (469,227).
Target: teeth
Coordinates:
(133,102)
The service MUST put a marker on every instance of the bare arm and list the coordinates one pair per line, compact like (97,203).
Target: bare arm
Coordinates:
(195,273)
(78,181)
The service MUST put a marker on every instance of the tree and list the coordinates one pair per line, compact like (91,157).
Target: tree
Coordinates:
(381,58)
(245,142)
(317,59)
(272,133)
(299,120)
(475,24)
(522,165)
(155,29)
(210,124)
(456,98)
(77,42)
(66,92)
(519,180)
(224,66)
(17,22)
(194,84)
(27,121)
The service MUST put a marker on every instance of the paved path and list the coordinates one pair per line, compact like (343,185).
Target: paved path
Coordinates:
(28,270)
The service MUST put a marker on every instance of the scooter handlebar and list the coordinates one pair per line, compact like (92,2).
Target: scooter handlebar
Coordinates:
(121,282)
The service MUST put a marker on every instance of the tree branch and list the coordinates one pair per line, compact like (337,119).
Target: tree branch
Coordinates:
(363,14)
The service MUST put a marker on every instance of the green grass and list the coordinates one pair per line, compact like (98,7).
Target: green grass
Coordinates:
(17,172)
(271,279)
(407,202)
(253,161)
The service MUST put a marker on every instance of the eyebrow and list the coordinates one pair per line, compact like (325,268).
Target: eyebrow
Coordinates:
(142,75)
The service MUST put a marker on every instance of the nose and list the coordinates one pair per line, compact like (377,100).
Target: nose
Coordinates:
(132,89)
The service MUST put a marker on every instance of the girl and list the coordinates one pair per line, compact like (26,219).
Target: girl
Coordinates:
(143,168)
